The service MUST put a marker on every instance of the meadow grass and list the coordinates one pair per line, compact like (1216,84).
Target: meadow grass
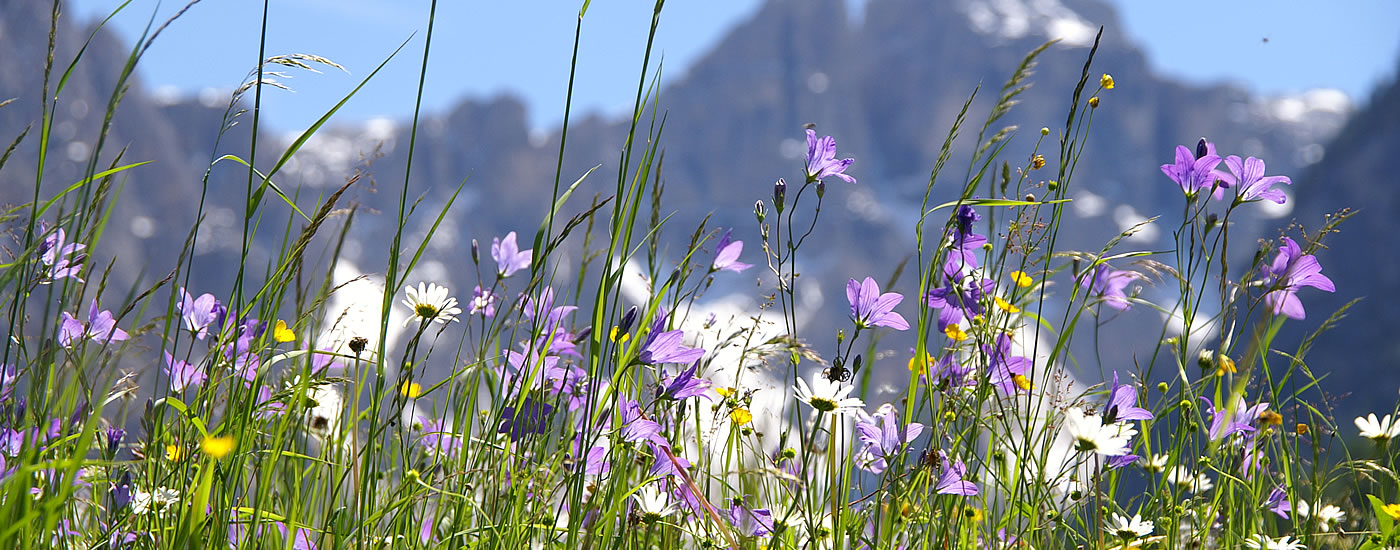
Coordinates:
(600,412)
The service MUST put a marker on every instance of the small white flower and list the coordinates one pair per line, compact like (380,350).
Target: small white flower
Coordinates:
(828,397)
(652,504)
(1328,516)
(140,502)
(1196,483)
(430,302)
(1378,430)
(165,496)
(1262,542)
(1090,434)
(1156,464)
(1128,529)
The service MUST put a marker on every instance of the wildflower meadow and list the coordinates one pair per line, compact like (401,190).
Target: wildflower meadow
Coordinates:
(618,408)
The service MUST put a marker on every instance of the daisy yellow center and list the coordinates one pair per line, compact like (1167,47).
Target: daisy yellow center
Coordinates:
(426,311)
(823,404)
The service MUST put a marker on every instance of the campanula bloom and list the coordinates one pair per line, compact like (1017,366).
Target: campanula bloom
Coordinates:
(1278,502)
(509,258)
(636,427)
(962,295)
(1006,371)
(1122,403)
(532,417)
(663,346)
(199,314)
(1224,424)
(951,481)
(881,438)
(821,159)
(483,302)
(1109,284)
(101,327)
(870,308)
(727,255)
(58,255)
(1248,179)
(684,385)
(182,374)
(1290,271)
(1193,172)
(756,522)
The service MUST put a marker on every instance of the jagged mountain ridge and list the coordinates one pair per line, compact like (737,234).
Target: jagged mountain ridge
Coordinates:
(887,88)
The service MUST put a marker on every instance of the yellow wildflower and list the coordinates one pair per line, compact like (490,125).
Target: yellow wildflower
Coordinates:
(740,416)
(1022,280)
(218,447)
(914,363)
(1037,162)
(616,338)
(1271,418)
(1392,510)
(411,389)
(724,392)
(1005,305)
(1106,81)
(1301,429)
(1094,102)
(1022,382)
(1224,364)
(955,333)
(174,453)
(281,333)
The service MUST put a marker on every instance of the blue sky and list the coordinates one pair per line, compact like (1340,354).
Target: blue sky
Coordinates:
(482,49)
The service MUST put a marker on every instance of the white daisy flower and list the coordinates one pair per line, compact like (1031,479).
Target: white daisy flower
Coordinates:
(828,397)
(1196,483)
(140,502)
(1156,464)
(1128,529)
(652,504)
(165,496)
(1090,434)
(1378,430)
(430,302)
(1328,516)
(1262,542)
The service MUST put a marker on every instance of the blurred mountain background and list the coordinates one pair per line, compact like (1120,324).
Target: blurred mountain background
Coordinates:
(886,83)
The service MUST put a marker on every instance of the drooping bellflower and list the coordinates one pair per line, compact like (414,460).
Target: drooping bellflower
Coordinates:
(727,255)
(1290,271)
(821,159)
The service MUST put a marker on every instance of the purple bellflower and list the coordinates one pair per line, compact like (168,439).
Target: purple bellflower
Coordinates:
(437,440)
(870,308)
(951,481)
(483,302)
(1122,404)
(532,417)
(554,335)
(1004,368)
(1195,172)
(636,427)
(727,255)
(1290,271)
(821,159)
(663,346)
(882,439)
(684,385)
(199,313)
(756,522)
(1248,179)
(1278,502)
(101,326)
(509,258)
(1224,424)
(58,254)
(961,297)
(1109,283)
(182,374)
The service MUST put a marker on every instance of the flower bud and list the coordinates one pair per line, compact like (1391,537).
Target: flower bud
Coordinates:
(357,344)
(1162,387)
(1044,131)
(1206,359)
(1201,149)
(627,319)
(760,210)
(476,252)
(821,189)
(1052,185)
(1094,102)
(779,193)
